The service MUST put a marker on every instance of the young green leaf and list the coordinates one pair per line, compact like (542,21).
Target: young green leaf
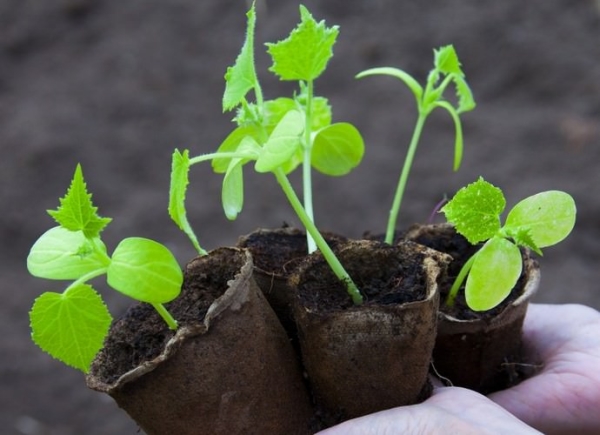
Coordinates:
(495,271)
(446,60)
(145,270)
(76,211)
(337,149)
(548,216)
(241,77)
(231,144)
(232,193)
(63,254)
(466,101)
(522,237)
(70,326)
(283,142)
(475,210)
(180,168)
(304,54)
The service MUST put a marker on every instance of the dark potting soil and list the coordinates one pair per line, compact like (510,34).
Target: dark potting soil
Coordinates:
(280,251)
(382,275)
(140,335)
(454,244)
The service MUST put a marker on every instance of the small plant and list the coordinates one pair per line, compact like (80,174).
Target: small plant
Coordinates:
(447,70)
(536,222)
(71,326)
(278,135)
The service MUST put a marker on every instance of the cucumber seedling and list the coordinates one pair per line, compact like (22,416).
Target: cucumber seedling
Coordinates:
(536,222)
(278,135)
(72,325)
(447,70)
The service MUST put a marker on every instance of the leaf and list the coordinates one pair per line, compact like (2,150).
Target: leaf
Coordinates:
(466,102)
(337,149)
(180,167)
(446,60)
(241,77)
(548,216)
(145,270)
(304,54)
(495,271)
(522,237)
(232,193)
(231,144)
(70,326)
(76,211)
(275,110)
(65,255)
(475,210)
(282,144)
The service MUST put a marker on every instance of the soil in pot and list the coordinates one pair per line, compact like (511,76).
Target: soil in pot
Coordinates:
(229,368)
(365,358)
(477,350)
(276,253)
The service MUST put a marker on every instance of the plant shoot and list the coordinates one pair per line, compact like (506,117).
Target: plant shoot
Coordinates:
(447,70)
(536,222)
(71,326)
(278,135)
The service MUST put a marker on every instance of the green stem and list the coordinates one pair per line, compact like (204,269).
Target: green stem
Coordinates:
(464,271)
(170,321)
(306,166)
(393,218)
(330,257)
(88,276)
(219,155)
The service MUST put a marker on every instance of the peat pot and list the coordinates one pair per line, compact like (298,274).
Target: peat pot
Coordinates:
(276,253)
(366,358)
(480,351)
(229,368)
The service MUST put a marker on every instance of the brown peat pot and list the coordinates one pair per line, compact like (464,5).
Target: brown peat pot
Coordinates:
(480,351)
(229,368)
(276,253)
(366,358)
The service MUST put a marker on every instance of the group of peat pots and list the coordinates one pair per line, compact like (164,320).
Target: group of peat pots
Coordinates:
(270,341)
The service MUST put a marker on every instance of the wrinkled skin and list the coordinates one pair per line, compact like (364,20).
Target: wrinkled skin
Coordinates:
(562,398)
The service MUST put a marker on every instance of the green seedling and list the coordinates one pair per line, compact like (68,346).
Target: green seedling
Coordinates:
(72,325)
(536,222)
(278,135)
(447,70)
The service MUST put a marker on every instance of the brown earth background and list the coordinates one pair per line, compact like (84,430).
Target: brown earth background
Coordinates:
(118,85)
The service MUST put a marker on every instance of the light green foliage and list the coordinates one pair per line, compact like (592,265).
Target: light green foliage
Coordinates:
(548,217)
(304,54)
(241,77)
(282,143)
(144,270)
(337,149)
(447,70)
(475,211)
(71,326)
(64,254)
(178,187)
(280,134)
(76,211)
(537,221)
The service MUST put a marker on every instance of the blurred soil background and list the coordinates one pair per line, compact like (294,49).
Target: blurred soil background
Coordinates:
(117,86)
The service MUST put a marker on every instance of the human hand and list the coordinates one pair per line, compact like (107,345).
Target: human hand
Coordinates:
(564,396)
(450,410)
